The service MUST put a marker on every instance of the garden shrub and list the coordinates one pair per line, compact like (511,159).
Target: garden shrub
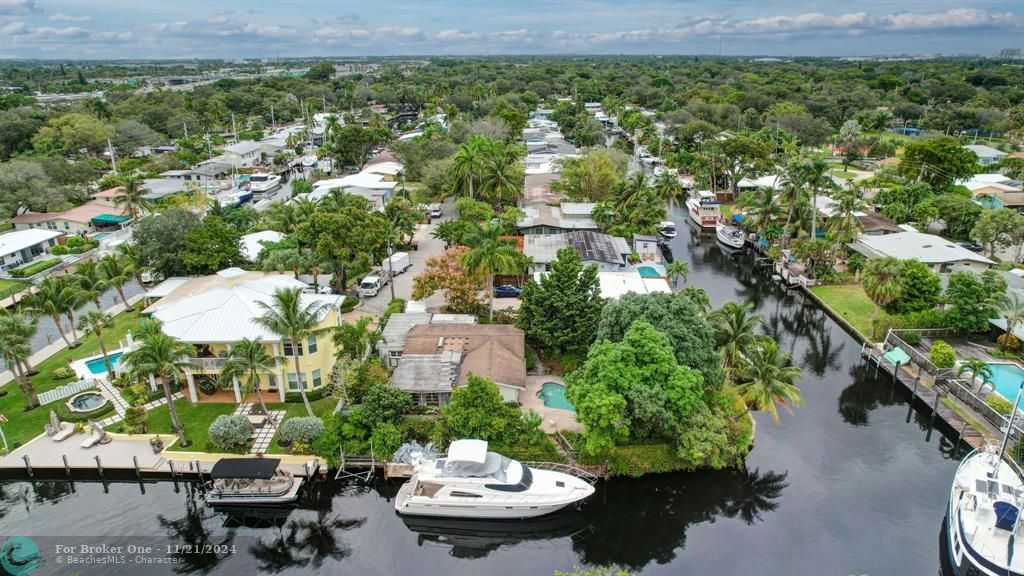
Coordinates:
(422,430)
(327,445)
(62,373)
(59,250)
(301,429)
(385,440)
(135,420)
(301,448)
(1008,342)
(999,404)
(230,432)
(36,268)
(75,242)
(395,306)
(311,395)
(98,414)
(912,337)
(942,354)
(348,304)
(384,404)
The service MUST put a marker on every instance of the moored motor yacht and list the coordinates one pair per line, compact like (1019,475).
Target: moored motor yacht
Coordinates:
(261,183)
(704,209)
(667,229)
(731,236)
(251,482)
(474,483)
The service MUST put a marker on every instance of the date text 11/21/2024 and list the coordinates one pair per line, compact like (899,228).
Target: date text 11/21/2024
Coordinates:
(175,549)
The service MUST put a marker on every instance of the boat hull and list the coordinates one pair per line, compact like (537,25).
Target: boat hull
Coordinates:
(413,508)
(290,496)
(727,239)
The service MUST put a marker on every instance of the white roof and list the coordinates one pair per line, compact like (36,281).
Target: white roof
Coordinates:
(772,181)
(983,151)
(468,451)
(253,243)
(243,147)
(167,286)
(827,206)
(387,168)
(18,240)
(360,180)
(927,248)
(227,313)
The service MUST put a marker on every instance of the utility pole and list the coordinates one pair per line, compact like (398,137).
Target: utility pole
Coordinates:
(391,271)
(273,122)
(113,159)
(185,126)
(234,129)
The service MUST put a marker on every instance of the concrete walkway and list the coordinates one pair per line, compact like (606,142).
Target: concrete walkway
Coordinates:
(263,435)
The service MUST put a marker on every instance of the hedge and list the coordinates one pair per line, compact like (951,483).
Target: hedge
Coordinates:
(301,429)
(68,416)
(32,269)
(348,304)
(999,404)
(312,395)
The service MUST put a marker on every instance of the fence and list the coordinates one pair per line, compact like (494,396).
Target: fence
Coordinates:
(893,340)
(962,391)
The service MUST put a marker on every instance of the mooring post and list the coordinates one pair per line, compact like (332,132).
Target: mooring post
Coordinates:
(28,465)
(935,406)
(67,468)
(99,466)
(895,372)
(138,472)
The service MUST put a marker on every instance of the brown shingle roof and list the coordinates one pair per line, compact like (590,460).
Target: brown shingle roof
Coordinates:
(493,351)
(874,221)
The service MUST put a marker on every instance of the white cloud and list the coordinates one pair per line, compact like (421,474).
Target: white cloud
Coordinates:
(62,17)
(17,6)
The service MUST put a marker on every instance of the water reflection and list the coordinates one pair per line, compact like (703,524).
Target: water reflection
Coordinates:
(199,529)
(865,394)
(478,538)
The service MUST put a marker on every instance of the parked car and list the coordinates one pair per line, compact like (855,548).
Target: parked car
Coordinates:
(317,289)
(972,246)
(507,291)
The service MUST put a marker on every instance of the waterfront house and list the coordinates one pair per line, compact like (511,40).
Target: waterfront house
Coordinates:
(214,312)
(100,214)
(608,253)
(987,155)
(437,358)
(244,154)
(393,335)
(543,218)
(22,246)
(941,255)
(872,223)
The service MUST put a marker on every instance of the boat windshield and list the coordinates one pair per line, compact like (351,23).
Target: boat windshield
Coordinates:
(259,178)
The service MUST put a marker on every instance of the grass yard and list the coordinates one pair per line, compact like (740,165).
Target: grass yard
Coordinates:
(23,426)
(850,302)
(727,211)
(8,287)
(839,173)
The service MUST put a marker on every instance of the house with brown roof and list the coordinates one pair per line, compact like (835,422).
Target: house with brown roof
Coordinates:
(437,358)
(99,214)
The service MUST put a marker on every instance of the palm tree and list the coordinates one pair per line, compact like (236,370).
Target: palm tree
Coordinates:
(467,164)
(56,296)
(881,281)
(354,340)
(90,281)
(630,191)
(676,270)
(248,359)
(163,357)
(1011,308)
(331,125)
(291,319)
(132,258)
(501,173)
(22,328)
(116,271)
(761,208)
(978,368)
(817,178)
(489,256)
(845,224)
(735,329)
(766,379)
(793,191)
(133,195)
(95,321)
(16,331)
(669,189)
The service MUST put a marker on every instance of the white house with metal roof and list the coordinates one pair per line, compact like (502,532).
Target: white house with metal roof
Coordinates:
(940,254)
(244,153)
(22,246)
(987,155)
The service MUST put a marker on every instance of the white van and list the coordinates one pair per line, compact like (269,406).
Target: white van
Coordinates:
(435,210)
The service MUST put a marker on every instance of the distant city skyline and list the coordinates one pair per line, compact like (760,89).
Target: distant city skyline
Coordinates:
(168,29)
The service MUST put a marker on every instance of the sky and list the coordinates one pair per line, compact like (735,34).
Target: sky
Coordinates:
(170,29)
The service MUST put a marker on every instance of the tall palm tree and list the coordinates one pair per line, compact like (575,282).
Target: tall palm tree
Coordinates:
(630,191)
(678,269)
(845,224)
(132,257)
(761,208)
(116,271)
(16,331)
(95,321)
(881,281)
(817,178)
(163,357)
(669,189)
(978,368)
(248,359)
(793,191)
(489,256)
(766,379)
(133,195)
(331,125)
(501,175)
(355,340)
(290,318)
(1011,309)
(735,327)
(90,281)
(56,296)
(22,328)
(467,164)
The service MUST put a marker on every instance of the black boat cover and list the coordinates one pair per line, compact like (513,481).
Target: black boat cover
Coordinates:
(255,468)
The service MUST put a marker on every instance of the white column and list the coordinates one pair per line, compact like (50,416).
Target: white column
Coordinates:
(282,380)
(152,382)
(238,389)
(191,387)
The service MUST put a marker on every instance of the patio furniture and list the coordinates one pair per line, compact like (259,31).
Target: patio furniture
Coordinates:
(99,435)
(58,431)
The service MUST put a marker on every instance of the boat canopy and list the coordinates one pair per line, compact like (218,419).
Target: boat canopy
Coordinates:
(468,451)
(494,466)
(255,468)
(1006,515)
(898,356)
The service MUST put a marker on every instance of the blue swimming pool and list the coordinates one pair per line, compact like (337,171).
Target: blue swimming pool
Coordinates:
(553,395)
(100,236)
(96,365)
(1006,379)
(648,272)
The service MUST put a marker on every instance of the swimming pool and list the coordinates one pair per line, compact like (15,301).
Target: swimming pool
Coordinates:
(553,395)
(1006,379)
(96,365)
(100,236)
(648,272)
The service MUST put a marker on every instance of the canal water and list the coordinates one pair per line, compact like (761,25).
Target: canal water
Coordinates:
(853,482)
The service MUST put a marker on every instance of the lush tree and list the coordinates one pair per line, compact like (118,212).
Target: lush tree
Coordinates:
(211,246)
(70,133)
(477,410)
(352,144)
(937,161)
(24,184)
(447,272)
(738,157)
(960,214)
(248,360)
(766,377)
(676,270)
(844,224)
(474,210)
(230,431)
(355,340)
(669,189)
(160,241)
(969,298)
(881,281)
(735,327)
(593,176)
(502,175)
(488,256)
(56,297)
(562,311)
(999,228)
(16,333)
(467,165)
(1010,307)
(678,317)
(116,271)
(383,404)
(89,280)
(978,368)
(344,238)
(919,289)
(296,320)
(320,71)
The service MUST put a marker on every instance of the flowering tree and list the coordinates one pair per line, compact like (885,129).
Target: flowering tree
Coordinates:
(446,272)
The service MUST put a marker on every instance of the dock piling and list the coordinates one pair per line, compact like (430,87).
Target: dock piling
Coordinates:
(138,472)
(99,466)
(67,468)
(28,465)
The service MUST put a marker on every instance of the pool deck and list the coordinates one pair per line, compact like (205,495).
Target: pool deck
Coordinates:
(554,419)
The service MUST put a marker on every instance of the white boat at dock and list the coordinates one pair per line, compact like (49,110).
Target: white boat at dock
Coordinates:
(251,482)
(667,228)
(731,236)
(474,483)
(704,209)
(262,183)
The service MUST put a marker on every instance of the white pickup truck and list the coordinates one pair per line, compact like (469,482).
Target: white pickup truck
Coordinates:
(379,277)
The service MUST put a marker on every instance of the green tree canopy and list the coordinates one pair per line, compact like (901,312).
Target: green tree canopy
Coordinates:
(211,246)
(160,240)
(970,298)
(561,312)
(937,161)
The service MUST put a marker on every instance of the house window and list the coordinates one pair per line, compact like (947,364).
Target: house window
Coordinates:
(293,384)
(432,399)
(289,350)
(67,226)
(316,378)
(271,382)
(51,225)
(311,345)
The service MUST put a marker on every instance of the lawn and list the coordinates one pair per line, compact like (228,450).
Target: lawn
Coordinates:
(838,173)
(196,418)
(23,426)
(727,211)
(8,287)
(850,302)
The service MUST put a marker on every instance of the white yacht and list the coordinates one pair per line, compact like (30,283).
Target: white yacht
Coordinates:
(474,483)
(261,183)
(983,517)
(251,482)
(731,236)
(667,229)
(309,161)
(704,209)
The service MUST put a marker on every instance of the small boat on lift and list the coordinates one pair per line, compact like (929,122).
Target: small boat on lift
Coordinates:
(251,482)
(731,236)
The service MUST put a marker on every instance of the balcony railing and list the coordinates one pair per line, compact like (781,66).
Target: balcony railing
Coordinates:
(209,363)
